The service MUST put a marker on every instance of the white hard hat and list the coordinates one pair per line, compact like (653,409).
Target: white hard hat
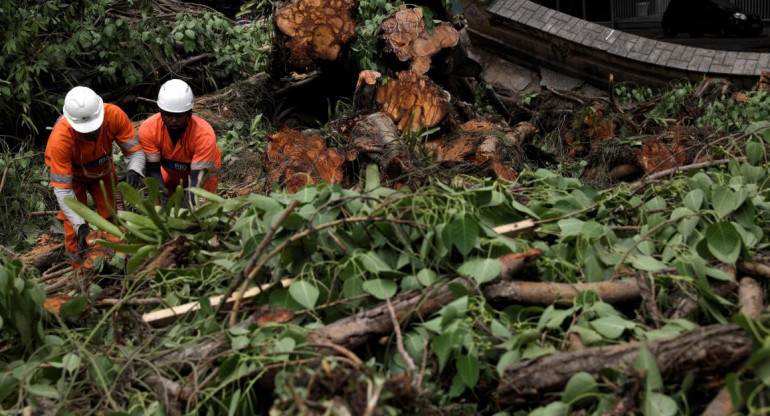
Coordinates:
(175,96)
(84,109)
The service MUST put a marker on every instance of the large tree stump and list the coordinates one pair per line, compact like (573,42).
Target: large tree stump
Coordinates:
(405,35)
(294,160)
(476,142)
(412,101)
(708,350)
(317,29)
(376,136)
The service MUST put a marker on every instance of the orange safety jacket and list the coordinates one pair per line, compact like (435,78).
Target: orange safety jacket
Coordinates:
(196,150)
(70,157)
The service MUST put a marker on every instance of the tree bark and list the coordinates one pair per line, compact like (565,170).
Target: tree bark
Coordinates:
(707,350)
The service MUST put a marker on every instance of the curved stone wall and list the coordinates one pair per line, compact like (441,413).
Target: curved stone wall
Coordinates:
(533,35)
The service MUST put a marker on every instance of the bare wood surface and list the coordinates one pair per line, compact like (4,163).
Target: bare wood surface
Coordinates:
(516,229)
(750,297)
(707,350)
(541,293)
(721,405)
(166,316)
(755,269)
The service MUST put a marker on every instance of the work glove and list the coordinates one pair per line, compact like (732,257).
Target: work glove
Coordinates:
(135,179)
(83,231)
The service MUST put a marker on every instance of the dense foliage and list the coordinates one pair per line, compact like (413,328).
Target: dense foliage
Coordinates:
(116,47)
(326,253)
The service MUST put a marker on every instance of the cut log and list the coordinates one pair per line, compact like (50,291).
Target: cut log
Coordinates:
(750,297)
(655,156)
(405,35)
(516,229)
(476,142)
(294,160)
(171,255)
(377,137)
(46,252)
(210,346)
(167,316)
(317,30)
(356,330)
(412,101)
(708,350)
(540,293)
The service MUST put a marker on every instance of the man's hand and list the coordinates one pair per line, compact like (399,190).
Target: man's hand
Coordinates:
(83,231)
(134,179)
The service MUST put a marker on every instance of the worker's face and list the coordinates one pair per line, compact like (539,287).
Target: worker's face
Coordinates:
(175,122)
(92,136)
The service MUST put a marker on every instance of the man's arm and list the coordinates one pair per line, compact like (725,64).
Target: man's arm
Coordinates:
(73,217)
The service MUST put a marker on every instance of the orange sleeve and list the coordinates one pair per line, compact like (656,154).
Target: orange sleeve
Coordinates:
(58,157)
(206,153)
(121,129)
(149,138)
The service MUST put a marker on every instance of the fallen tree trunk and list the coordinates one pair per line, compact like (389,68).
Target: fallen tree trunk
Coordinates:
(356,330)
(540,293)
(707,350)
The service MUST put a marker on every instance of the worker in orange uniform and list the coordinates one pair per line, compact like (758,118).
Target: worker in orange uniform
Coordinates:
(180,147)
(79,157)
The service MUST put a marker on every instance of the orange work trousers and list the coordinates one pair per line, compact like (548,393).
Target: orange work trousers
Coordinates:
(102,201)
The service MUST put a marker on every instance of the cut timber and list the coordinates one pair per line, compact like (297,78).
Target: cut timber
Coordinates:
(707,350)
(317,29)
(356,330)
(405,35)
(516,229)
(47,250)
(169,256)
(540,293)
(412,101)
(166,316)
(476,142)
(655,156)
(376,136)
(294,160)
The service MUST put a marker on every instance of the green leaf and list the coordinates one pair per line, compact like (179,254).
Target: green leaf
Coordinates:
(724,200)
(646,361)
(480,270)
(93,218)
(426,277)
(724,242)
(463,232)
(611,327)
(579,385)
(70,362)
(647,263)
(372,177)
(657,404)
(468,368)
(72,309)
(43,390)
(506,360)
(380,288)
(305,293)
(553,409)
(206,195)
(694,200)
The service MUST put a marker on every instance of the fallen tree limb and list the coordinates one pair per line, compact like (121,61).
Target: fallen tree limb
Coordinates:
(356,330)
(166,316)
(540,293)
(751,301)
(706,350)
(755,270)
